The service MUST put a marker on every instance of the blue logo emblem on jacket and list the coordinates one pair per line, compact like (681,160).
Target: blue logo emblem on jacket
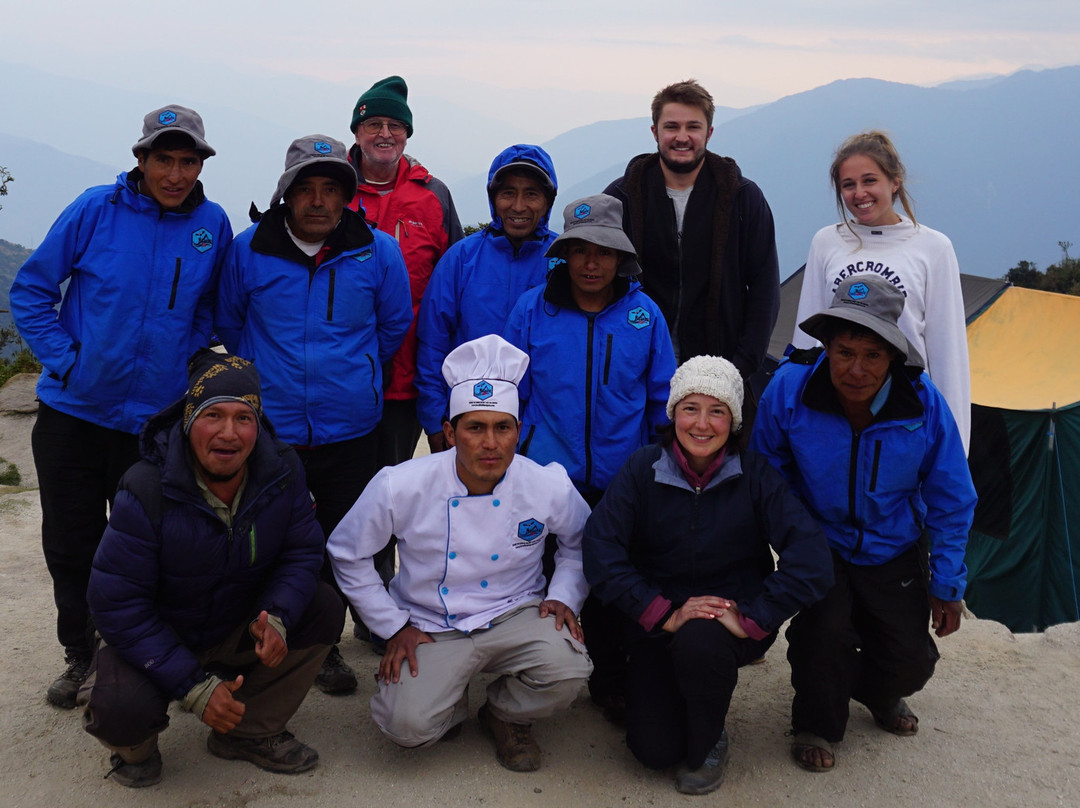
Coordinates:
(530,529)
(167,117)
(858,291)
(554,262)
(639,318)
(322,147)
(362,257)
(482,390)
(581,211)
(202,239)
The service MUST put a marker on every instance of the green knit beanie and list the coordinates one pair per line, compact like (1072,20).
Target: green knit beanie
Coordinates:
(386,98)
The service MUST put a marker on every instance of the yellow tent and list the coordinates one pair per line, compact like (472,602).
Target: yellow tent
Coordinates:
(1022,351)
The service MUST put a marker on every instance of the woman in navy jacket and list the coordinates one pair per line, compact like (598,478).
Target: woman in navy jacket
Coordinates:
(680,544)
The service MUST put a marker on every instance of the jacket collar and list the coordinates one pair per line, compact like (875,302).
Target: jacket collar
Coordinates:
(271,238)
(902,404)
(667,472)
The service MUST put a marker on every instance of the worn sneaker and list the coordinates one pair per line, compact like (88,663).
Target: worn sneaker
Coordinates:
(710,775)
(65,689)
(335,676)
(135,775)
(280,753)
(514,744)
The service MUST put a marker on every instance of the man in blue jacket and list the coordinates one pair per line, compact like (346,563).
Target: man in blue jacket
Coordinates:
(141,259)
(320,303)
(205,588)
(869,444)
(479,279)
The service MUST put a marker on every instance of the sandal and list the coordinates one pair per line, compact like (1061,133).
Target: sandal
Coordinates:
(899,720)
(802,743)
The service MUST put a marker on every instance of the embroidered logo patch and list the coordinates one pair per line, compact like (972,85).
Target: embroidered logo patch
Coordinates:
(858,291)
(530,529)
(482,390)
(360,113)
(362,257)
(581,211)
(322,147)
(202,239)
(167,117)
(639,318)
(554,262)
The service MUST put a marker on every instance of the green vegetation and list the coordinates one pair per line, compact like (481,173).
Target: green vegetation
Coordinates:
(474,228)
(9,475)
(5,178)
(1062,277)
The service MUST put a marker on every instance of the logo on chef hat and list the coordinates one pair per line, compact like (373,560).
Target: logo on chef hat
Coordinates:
(482,390)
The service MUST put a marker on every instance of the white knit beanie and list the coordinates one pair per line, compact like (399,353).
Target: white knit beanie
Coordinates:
(710,376)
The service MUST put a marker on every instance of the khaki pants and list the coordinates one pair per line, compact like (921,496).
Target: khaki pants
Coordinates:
(125,710)
(542,671)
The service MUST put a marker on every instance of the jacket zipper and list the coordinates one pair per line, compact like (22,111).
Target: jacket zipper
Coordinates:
(874,469)
(330,296)
(374,389)
(588,398)
(607,359)
(175,284)
(853,486)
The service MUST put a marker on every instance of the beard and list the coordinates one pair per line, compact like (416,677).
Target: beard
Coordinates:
(682,168)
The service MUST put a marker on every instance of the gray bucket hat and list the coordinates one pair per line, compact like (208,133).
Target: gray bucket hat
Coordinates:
(872,302)
(598,220)
(323,152)
(173,118)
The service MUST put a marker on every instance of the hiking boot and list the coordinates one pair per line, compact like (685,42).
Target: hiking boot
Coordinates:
(65,689)
(710,775)
(135,775)
(514,744)
(335,676)
(280,753)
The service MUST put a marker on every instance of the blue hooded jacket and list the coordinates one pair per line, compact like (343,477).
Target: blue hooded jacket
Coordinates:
(474,286)
(319,335)
(873,491)
(139,301)
(597,384)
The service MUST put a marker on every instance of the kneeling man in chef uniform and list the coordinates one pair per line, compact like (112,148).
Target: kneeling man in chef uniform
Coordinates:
(470,595)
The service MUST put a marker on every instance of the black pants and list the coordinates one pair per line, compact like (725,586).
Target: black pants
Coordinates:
(867,640)
(337,474)
(679,689)
(78,466)
(397,433)
(124,709)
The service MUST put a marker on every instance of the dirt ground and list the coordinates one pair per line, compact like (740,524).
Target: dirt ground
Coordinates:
(998,727)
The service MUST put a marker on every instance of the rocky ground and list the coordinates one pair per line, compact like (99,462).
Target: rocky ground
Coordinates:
(996,725)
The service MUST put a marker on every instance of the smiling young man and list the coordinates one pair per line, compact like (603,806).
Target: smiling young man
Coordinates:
(478,281)
(320,302)
(704,236)
(205,588)
(470,595)
(140,259)
(870,445)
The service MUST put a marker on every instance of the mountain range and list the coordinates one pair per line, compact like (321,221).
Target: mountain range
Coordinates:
(992,164)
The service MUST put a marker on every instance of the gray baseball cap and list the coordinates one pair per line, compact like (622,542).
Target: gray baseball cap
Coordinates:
(320,156)
(173,118)
(872,302)
(598,220)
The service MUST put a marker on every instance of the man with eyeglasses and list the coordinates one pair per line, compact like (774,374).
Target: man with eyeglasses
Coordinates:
(399,196)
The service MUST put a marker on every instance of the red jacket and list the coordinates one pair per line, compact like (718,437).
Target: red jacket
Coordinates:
(419,213)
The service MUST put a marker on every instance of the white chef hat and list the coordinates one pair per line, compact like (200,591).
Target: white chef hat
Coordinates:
(483,374)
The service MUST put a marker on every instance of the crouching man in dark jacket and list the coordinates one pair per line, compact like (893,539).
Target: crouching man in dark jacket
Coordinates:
(205,587)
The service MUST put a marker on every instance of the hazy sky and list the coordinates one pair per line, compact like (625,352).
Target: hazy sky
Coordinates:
(554,64)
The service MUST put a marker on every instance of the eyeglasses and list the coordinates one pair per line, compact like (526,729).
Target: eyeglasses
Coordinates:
(374,126)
